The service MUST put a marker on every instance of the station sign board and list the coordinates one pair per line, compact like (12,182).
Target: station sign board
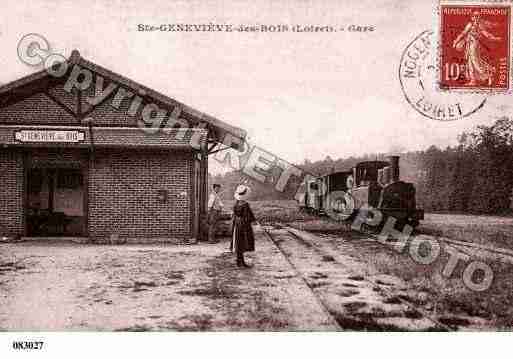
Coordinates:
(54,136)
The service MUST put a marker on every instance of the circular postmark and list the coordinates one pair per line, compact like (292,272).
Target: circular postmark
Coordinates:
(418,76)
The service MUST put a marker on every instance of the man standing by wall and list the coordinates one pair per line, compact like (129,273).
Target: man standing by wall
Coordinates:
(215,207)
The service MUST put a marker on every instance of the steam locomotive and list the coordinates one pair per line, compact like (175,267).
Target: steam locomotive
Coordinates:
(374,184)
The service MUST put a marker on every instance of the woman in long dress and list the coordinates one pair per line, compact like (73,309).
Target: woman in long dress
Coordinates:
(243,239)
(471,40)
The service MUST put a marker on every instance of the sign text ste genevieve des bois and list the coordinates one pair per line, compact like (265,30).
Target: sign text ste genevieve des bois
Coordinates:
(49,136)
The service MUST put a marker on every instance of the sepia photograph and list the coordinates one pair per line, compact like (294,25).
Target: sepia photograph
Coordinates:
(254,168)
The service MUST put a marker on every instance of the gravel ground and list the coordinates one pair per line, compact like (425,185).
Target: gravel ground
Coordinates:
(64,286)
(322,283)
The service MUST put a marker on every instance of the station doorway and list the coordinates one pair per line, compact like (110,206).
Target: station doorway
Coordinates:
(55,202)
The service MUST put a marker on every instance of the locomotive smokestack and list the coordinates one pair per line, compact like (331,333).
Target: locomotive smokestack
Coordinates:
(394,164)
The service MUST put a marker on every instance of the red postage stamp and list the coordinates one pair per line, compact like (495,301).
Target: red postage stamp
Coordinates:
(475,47)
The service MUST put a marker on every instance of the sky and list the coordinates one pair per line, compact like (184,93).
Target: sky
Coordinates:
(298,95)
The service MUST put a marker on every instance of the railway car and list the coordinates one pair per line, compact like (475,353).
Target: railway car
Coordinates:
(313,195)
(375,184)
(307,195)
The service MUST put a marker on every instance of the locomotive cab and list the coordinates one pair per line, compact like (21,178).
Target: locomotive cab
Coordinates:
(368,189)
(379,186)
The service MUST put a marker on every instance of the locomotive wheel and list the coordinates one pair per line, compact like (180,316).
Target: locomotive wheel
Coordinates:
(414,223)
(398,226)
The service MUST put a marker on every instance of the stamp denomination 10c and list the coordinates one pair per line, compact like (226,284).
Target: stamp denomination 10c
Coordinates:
(475,47)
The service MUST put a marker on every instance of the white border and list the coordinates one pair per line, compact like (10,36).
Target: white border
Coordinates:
(260,345)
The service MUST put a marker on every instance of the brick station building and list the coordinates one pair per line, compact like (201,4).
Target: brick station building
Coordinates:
(77,164)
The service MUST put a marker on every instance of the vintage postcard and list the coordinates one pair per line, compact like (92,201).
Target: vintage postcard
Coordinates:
(241,166)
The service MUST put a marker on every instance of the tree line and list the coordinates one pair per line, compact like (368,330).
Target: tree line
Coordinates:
(475,176)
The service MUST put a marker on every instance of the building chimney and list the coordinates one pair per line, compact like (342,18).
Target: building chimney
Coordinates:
(394,164)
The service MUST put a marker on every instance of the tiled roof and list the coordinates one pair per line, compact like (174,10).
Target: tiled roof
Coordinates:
(221,127)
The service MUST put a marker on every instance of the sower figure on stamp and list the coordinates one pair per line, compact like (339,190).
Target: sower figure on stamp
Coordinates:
(215,207)
(472,41)
(243,239)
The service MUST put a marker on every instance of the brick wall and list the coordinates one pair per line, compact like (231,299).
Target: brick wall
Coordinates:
(123,190)
(124,194)
(11,193)
(37,109)
(123,185)
(55,157)
(40,109)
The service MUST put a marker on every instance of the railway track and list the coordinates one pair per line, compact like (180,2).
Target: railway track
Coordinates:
(298,273)
(457,244)
(490,249)
(454,243)
(323,253)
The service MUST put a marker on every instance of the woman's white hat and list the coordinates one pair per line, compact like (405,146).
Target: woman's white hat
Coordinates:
(242,192)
